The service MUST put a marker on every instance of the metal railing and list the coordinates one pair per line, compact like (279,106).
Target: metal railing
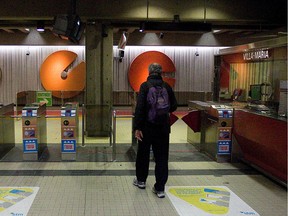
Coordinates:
(113,131)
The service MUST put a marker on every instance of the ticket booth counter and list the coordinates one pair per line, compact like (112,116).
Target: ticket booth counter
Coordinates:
(263,142)
(34,131)
(7,130)
(69,131)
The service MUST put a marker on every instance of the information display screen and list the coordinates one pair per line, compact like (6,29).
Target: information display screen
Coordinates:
(255,92)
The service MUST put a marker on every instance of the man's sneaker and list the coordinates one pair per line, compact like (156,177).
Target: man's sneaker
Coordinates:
(160,194)
(139,184)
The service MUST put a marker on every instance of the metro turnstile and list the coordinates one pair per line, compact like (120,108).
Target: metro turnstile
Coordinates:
(7,130)
(218,132)
(34,131)
(69,131)
(196,130)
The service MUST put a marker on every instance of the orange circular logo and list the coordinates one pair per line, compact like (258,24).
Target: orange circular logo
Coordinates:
(138,71)
(57,76)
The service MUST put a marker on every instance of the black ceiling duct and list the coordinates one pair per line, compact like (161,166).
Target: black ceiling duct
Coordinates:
(157,27)
(68,27)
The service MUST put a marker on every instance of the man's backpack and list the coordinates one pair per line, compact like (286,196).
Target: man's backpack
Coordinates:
(158,103)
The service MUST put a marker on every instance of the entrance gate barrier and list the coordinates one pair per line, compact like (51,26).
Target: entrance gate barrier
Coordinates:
(113,133)
(69,131)
(34,131)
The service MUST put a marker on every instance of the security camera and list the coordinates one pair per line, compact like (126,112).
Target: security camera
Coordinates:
(27,52)
(121,53)
(196,53)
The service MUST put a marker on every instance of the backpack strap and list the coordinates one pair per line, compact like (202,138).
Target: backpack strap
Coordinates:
(151,85)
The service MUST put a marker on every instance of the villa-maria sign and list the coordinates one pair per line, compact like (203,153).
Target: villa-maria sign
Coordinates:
(256,55)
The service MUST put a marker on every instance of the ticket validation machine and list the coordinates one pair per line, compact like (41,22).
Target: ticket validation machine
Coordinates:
(34,131)
(7,130)
(218,132)
(69,131)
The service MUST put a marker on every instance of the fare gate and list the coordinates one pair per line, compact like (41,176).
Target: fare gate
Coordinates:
(34,131)
(218,132)
(69,131)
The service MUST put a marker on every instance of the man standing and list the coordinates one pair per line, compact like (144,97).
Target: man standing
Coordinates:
(153,129)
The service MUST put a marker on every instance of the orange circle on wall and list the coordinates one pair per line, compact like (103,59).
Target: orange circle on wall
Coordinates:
(138,71)
(56,76)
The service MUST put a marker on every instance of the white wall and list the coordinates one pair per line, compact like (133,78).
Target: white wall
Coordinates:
(193,73)
(20,72)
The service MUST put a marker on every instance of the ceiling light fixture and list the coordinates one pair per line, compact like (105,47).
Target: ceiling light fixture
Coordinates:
(40,26)
(216,31)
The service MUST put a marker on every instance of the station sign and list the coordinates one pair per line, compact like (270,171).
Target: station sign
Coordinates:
(256,55)
(30,145)
(224,146)
(68,146)
(44,96)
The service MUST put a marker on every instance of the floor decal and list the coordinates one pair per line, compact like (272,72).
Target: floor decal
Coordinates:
(207,201)
(16,200)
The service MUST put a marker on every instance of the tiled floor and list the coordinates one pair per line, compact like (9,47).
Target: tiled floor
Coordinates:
(101,186)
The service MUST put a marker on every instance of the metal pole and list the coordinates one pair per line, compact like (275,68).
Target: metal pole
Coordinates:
(83,125)
(114,136)
(134,140)
(111,128)
(16,105)
(62,99)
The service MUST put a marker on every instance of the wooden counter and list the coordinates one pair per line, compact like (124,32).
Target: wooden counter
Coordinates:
(260,138)
(263,142)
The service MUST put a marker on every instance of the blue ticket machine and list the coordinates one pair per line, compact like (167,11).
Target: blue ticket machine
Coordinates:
(69,131)
(34,131)
(218,132)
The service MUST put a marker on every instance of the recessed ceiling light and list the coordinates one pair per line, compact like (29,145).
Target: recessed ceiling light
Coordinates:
(216,30)
(40,26)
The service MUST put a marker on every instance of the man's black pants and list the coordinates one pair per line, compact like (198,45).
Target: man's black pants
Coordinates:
(158,137)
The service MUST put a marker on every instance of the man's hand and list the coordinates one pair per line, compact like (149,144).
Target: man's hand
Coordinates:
(138,135)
